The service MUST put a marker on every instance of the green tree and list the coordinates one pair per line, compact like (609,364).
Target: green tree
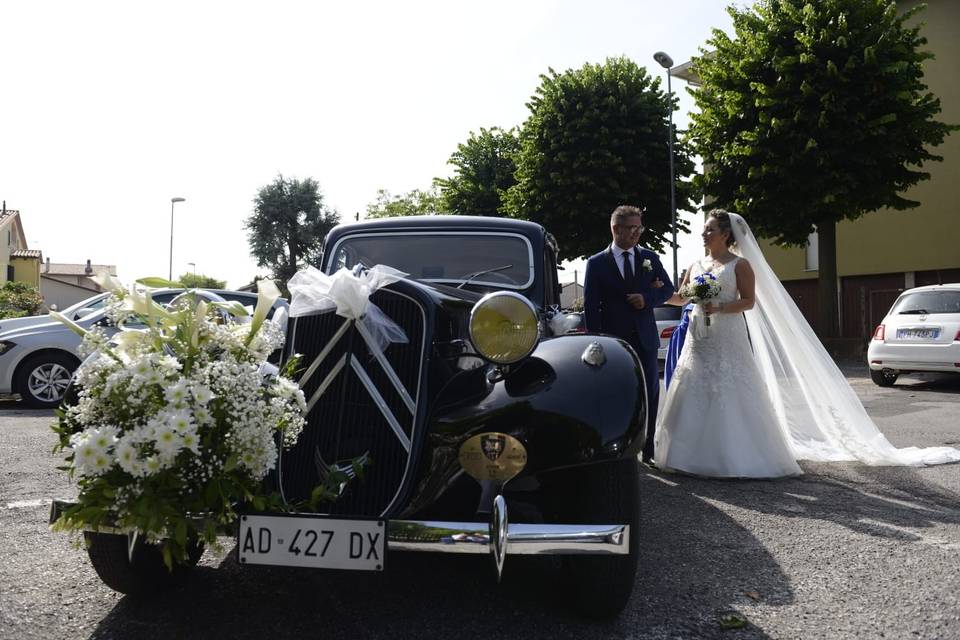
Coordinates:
(18,299)
(200,281)
(597,138)
(412,203)
(288,224)
(815,112)
(485,165)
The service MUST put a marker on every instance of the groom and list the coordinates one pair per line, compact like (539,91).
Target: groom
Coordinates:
(622,285)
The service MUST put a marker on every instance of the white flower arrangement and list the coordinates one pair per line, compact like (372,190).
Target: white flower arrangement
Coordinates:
(646,265)
(176,425)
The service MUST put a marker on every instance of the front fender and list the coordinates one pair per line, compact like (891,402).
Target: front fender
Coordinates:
(564,411)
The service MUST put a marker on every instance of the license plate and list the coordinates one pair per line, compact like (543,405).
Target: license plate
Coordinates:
(918,334)
(312,541)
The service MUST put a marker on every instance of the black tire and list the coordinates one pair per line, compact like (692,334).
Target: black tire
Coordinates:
(601,586)
(146,574)
(42,379)
(884,377)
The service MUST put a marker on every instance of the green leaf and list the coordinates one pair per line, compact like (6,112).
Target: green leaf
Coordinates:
(158,283)
(732,621)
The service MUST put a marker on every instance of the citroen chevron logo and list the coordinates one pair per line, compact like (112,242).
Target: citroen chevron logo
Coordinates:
(361,373)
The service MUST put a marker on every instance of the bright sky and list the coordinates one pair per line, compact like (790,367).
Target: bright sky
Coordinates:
(110,109)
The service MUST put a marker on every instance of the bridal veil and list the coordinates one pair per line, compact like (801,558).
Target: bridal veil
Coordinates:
(816,408)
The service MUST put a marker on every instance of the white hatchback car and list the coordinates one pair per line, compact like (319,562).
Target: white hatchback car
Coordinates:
(921,332)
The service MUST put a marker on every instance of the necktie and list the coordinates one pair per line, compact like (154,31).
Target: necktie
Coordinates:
(627,269)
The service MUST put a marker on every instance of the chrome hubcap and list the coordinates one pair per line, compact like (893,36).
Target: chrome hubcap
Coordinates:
(48,382)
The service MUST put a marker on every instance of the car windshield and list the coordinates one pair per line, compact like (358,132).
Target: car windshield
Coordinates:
(93,304)
(499,260)
(927,302)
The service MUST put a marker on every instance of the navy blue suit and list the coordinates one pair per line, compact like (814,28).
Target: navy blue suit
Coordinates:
(606,310)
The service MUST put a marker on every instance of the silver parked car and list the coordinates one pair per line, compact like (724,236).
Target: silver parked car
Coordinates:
(921,332)
(37,361)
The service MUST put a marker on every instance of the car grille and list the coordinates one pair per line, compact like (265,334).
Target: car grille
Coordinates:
(348,420)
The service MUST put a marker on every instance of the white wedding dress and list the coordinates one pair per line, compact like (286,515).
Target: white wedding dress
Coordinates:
(717,419)
(755,392)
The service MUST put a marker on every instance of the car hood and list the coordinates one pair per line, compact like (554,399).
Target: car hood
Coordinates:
(10,324)
(47,328)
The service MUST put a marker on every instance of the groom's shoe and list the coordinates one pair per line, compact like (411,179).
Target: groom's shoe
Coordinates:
(649,462)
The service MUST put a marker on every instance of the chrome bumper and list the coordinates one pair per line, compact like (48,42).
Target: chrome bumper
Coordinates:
(521,539)
(497,538)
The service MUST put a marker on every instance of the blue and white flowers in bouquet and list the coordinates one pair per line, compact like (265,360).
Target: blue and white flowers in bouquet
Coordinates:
(175,423)
(701,289)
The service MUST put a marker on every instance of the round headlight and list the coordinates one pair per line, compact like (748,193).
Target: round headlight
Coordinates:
(504,327)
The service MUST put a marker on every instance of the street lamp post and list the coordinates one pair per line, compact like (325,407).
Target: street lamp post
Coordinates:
(193,267)
(665,61)
(173,201)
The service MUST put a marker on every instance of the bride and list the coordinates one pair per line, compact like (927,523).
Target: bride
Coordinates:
(754,390)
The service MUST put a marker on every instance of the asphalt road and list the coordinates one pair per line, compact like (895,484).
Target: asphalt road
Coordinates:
(845,551)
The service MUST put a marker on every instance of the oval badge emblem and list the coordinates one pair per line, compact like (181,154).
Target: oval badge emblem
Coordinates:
(493,456)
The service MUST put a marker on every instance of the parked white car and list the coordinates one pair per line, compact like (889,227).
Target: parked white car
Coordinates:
(37,361)
(668,319)
(921,332)
(74,312)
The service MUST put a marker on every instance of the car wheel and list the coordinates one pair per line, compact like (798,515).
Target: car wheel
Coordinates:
(608,493)
(42,379)
(146,574)
(884,377)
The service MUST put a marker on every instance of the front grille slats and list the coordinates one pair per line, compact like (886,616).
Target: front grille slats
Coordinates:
(345,423)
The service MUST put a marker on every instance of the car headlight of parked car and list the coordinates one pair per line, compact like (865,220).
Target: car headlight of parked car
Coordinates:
(504,327)
(6,345)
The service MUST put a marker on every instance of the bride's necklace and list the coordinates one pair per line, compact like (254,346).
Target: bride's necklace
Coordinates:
(714,263)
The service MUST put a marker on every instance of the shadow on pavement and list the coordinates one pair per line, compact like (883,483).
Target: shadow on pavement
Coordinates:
(877,501)
(696,564)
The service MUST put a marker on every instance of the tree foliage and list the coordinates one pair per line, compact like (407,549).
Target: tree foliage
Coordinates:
(18,299)
(485,165)
(412,203)
(597,138)
(288,224)
(815,112)
(200,281)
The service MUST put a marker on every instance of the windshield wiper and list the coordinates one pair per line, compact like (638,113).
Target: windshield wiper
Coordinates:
(482,273)
(919,312)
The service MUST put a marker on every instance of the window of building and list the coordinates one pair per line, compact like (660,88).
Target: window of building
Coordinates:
(811,260)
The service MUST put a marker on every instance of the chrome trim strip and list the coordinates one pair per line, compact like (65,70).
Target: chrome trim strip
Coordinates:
(326,351)
(427,343)
(381,403)
(326,382)
(391,374)
(521,539)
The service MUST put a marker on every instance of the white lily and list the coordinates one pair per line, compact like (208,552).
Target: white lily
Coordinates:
(267,294)
(73,326)
(109,283)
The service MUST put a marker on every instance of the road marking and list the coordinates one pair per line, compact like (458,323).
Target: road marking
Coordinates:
(663,480)
(29,504)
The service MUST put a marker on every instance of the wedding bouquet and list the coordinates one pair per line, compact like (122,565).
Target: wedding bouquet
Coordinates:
(701,289)
(175,423)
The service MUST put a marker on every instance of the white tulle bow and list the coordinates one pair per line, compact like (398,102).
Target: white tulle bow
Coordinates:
(313,292)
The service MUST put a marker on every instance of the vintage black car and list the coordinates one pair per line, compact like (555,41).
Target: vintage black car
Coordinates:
(486,433)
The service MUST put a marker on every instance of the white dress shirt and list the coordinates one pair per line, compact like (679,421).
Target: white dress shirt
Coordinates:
(622,255)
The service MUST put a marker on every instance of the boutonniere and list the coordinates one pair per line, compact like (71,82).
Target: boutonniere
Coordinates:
(646,265)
